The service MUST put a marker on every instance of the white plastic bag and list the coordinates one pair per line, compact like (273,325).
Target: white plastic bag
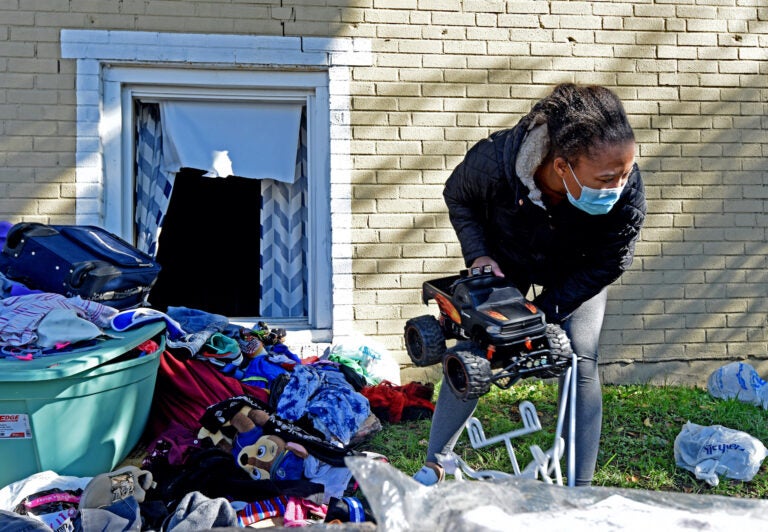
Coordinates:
(12,494)
(376,361)
(741,381)
(716,450)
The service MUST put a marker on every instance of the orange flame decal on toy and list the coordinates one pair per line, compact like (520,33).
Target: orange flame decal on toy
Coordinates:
(447,308)
(530,306)
(496,315)
(528,344)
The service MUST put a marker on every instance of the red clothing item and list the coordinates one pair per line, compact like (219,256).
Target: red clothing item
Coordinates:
(393,399)
(185,388)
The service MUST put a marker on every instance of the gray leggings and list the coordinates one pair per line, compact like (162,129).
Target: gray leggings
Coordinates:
(583,328)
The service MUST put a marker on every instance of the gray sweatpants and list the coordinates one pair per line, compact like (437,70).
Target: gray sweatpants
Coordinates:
(583,328)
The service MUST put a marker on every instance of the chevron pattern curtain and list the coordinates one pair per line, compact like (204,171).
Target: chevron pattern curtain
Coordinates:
(283,265)
(153,185)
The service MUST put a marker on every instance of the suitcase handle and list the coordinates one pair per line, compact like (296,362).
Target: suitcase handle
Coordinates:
(15,238)
(95,271)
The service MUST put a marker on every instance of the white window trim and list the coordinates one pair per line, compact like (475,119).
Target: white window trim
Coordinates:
(114,67)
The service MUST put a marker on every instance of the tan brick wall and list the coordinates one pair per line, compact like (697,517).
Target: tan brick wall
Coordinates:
(448,72)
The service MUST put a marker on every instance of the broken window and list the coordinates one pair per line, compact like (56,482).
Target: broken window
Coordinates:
(221,200)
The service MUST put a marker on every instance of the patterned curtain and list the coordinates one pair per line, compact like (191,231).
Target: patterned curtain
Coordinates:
(153,185)
(284,241)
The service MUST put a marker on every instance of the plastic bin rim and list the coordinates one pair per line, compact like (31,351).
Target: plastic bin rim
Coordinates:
(75,362)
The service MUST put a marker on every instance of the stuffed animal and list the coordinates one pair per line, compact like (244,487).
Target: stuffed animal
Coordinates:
(271,457)
(262,443)
(240,421)
(261,456)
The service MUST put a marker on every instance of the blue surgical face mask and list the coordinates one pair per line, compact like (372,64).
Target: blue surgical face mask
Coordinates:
(593,200)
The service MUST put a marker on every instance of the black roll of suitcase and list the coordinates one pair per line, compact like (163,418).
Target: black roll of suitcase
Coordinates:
(79,260)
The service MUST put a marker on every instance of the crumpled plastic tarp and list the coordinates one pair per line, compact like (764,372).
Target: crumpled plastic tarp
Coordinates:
(401,504)
(738,380)
(716,450)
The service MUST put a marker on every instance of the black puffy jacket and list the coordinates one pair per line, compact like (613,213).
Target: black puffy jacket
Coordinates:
(572,255)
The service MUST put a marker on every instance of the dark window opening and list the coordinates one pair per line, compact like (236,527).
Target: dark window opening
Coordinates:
(209,246)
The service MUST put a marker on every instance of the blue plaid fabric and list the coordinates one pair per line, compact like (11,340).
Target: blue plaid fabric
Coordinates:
(153,185)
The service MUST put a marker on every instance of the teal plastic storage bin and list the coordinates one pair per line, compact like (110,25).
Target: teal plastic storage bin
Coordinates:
(77,414)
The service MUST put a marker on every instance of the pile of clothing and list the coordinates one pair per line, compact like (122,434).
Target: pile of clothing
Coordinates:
(245,419)
(241,429)
(237,415)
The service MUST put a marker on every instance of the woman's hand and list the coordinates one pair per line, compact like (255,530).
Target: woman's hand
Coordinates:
(485,260)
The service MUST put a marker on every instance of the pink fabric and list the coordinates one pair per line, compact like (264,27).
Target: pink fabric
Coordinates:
(298,512)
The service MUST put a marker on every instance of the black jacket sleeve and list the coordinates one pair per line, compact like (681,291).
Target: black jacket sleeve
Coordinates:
(468,191)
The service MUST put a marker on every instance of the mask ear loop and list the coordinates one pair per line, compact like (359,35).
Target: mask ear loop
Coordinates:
(581,187)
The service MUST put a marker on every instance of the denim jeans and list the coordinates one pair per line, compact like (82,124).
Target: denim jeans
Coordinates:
(200,324)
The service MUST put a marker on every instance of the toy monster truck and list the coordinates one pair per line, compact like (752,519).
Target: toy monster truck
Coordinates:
(502,337)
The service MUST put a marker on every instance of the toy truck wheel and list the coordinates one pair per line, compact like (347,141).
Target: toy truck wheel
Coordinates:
(424,340)
(559,347)
(467,371)
(559,343)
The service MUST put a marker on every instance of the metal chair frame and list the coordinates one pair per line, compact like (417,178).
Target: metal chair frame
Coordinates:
(545,464)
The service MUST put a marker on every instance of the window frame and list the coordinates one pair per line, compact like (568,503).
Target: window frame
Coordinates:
(94,50)
(123,85)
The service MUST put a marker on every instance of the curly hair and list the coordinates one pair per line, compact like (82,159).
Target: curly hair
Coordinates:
(582,118)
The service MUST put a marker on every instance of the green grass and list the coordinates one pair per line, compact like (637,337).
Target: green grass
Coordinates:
(640,424)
